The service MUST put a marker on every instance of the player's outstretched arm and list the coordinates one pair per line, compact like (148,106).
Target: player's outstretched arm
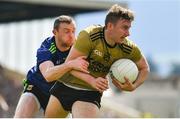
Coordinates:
(52,73)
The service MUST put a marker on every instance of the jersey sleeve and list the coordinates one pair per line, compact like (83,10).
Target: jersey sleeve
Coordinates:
(136,54)
(83,43)
(43,53)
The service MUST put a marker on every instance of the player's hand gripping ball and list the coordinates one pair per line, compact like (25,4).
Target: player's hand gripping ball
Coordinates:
(124,68)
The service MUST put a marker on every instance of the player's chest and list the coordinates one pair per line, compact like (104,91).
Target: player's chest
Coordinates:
(106,55)
(59,58)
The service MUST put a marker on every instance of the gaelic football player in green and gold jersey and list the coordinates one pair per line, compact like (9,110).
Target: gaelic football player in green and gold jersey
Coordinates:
(102,45)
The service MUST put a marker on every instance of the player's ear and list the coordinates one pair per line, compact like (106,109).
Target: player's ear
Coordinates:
(110,25)
(54,31)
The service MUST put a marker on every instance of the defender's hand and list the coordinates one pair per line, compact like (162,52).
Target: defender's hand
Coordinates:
(100,84)
(79,64)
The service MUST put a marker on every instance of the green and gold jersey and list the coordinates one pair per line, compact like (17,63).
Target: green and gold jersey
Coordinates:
(101,56)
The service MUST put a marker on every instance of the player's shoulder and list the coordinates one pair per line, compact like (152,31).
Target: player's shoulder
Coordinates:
(129,43)
(128,46)
(94,29)
(94,32)
(48,45)
(50,41)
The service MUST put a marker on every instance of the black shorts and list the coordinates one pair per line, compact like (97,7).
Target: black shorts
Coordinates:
(67,96)
(42,97)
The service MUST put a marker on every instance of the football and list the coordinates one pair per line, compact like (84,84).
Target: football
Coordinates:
(124,68)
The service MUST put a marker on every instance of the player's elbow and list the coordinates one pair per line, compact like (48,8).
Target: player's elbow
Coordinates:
(147,68)
(48,78)
(146,71)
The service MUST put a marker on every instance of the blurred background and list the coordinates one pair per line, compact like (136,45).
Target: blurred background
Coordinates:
(24,24)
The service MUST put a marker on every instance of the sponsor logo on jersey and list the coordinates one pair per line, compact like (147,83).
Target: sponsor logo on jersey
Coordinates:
(99,53)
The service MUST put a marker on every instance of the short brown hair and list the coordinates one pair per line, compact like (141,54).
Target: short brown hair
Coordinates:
(117,12)
(62,19)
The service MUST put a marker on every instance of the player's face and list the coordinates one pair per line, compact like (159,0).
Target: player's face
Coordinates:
(121,30)
(66,34)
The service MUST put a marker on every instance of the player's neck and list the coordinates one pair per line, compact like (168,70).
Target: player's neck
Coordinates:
(108,38)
